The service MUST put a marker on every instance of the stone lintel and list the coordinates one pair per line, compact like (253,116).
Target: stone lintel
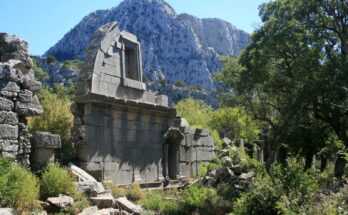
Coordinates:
(123,103)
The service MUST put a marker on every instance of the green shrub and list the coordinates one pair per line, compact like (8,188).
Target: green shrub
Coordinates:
(51,59)
(284,190)
(116,191)
(40,74)
(56,180)
(18,188)
(80,202)
(135,193)
(199,199)
(161,202)
(261,200)
(73,64)
(56,118)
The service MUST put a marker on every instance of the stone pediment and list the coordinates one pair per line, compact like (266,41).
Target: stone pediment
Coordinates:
(113,67)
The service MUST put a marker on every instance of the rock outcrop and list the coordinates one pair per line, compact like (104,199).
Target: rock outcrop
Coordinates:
(174,47)
(17,98)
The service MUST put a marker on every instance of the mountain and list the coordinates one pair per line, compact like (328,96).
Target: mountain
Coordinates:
(174,47)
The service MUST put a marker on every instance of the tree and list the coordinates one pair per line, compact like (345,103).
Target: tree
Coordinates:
(234,123)
(56,118)
(297,63)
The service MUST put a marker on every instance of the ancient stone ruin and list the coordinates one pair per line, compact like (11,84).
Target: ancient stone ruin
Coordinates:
(124,133)
(18,101)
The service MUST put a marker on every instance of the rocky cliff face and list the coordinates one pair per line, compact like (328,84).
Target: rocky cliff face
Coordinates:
(174,47)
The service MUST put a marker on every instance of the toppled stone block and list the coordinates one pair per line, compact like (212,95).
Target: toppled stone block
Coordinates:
(7,211)
(8,132)
(129,206)
(226,161)
(46,140)
(87,184)
(247,176)
(93,210)
(91,188)
(104,200)
(62,201)
(31,84)
(9,145)
(8,117)
(6,104)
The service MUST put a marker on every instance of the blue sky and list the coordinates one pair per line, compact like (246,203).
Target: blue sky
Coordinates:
(43,22)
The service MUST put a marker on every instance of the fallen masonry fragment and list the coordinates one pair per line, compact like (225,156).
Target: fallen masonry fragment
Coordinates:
(124,133)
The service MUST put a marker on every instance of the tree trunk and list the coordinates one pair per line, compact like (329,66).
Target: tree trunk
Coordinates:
(339,166)
(281,155)
(323,163)
(308,160)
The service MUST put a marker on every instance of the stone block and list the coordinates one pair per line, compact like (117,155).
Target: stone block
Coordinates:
(28,109)
(9,89)
(107,88)
(9,145)
(31,84)
(25,96)
(11,155)
(206,141)
(40,157)
(8,132)
(8,117)
(46,140)
(8,73)
(62,201)
(6,104)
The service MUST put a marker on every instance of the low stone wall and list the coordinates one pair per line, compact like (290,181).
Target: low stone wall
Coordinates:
(192,148)
(17,99)
(43,149)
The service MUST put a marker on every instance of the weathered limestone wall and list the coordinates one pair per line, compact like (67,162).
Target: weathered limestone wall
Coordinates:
(105,70)
(186,149)
(122,143)
(17,99)
(124,133)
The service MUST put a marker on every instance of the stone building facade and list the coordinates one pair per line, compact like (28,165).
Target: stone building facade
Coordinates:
(122,132)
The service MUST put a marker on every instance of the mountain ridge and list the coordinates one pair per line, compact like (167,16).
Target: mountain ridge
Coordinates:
(174,46)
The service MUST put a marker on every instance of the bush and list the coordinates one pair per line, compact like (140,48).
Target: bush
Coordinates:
(73,64)
(199,199)
(159,201)
(54,181)
(261,200)
(56,118)
(80,202)
(116,191)
(135,193)
(284,190)
(40,75)
(18,188)
(51,59)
